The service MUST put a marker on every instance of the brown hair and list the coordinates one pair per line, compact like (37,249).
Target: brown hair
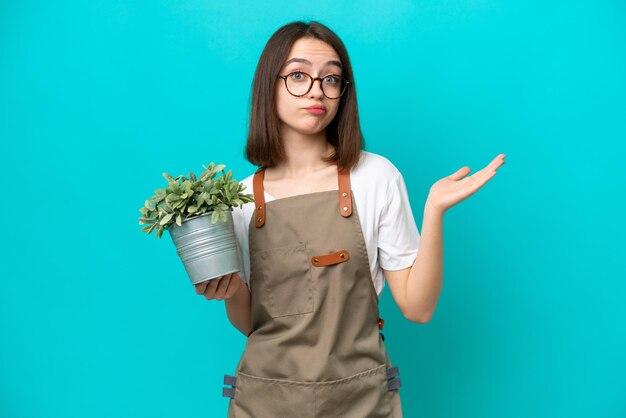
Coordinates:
(264,146)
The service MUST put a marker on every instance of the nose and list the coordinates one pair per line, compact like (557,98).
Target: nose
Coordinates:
(316,89)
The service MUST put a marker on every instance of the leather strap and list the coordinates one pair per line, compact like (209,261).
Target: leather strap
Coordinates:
(330,259)
(259,197)
(345,196)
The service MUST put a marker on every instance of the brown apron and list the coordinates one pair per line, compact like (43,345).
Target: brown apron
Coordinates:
(315,348)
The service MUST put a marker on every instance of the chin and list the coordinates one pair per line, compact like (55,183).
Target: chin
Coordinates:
(311,130)
(307,128)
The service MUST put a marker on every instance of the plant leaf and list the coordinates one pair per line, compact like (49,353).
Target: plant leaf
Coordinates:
(166,219)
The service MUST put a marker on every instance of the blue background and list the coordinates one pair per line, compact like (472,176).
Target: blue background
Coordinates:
(99,98)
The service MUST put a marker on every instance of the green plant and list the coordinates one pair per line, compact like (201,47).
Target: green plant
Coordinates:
(184,198)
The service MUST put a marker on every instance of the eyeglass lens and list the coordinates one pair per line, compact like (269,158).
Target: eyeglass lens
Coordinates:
(299,83)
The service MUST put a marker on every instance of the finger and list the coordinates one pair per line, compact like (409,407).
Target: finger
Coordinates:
(233,286)
(209,293)
(479,181)
(487,172)
(496,162)
(222,287)
(200,287)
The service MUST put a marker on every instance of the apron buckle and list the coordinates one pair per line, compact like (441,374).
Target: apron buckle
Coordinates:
(226,391)
(230,380)
(393,372)
(393,382)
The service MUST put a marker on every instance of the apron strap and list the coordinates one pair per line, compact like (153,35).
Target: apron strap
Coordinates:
(259,197)
(345,198)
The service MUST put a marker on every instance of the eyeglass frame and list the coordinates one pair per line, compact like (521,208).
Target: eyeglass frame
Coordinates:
(313,80)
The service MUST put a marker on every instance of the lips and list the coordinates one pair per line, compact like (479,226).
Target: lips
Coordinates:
(316,107)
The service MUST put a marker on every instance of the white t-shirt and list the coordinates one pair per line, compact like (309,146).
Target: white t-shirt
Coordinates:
(389,229)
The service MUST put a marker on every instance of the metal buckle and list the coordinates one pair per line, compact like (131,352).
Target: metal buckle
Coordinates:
(393,382)
(226,391)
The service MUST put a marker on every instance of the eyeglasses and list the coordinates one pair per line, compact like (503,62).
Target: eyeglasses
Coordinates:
(299,83)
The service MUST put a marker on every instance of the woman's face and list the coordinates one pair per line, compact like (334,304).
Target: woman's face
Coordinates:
(321,60)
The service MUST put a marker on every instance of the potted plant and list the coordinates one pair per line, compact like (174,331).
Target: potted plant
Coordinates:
(197,212)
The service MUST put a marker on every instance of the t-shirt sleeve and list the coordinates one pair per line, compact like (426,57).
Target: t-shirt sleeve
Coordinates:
(398,237)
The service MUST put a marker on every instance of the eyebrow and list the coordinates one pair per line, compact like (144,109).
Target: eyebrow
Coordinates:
(305,61)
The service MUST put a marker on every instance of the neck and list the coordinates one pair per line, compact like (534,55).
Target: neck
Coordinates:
(304,153)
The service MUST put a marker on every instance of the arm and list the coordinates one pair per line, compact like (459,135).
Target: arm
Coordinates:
(416,289)
(238,307)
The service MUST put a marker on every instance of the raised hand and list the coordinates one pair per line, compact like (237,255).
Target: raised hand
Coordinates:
(455,188)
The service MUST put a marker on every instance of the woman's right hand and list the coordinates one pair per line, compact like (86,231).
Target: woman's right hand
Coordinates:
(223,287)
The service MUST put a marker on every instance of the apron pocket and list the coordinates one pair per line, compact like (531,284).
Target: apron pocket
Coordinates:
(286,280)
(363,395)
(257,397)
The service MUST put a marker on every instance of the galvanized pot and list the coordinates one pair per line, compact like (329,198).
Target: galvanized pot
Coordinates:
(207,250)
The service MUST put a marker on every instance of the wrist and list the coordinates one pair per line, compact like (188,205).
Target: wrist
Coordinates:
(431,210)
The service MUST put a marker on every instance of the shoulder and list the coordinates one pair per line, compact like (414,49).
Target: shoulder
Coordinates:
(375,169)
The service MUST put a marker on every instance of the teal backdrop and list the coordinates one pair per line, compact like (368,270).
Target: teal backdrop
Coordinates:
(98,98)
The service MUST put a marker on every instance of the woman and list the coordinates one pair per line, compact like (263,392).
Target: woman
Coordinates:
(330,221)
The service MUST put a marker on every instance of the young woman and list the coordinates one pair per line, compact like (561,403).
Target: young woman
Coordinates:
(329,223)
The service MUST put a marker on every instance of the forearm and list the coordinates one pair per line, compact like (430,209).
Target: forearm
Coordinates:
(426,275)
(238,309)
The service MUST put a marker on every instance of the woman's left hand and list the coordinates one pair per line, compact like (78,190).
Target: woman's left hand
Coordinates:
(453,189)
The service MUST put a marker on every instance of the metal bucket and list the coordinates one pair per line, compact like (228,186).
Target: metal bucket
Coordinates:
(207,250)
